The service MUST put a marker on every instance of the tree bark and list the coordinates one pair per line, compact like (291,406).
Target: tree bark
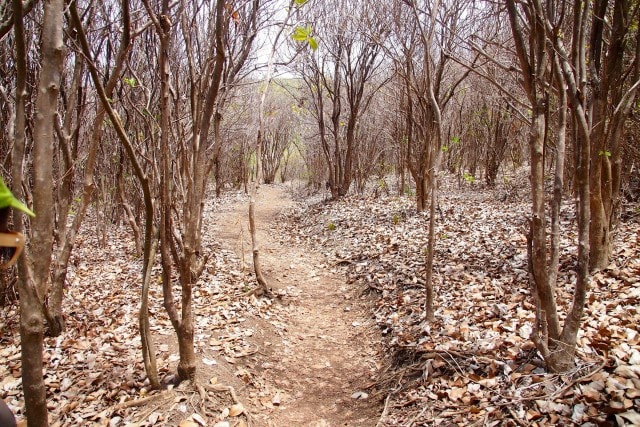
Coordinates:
(34,277)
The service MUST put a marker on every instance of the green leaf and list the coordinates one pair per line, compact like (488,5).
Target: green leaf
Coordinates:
(605,153)
(301,2)
(130,81)
(7,200)
(313,44)
(445,148)
(455,139)
(469,178)
(300,34)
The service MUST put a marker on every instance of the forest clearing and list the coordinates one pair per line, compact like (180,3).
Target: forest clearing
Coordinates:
(319,213)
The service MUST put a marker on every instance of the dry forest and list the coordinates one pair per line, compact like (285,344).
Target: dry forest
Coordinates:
(316,213)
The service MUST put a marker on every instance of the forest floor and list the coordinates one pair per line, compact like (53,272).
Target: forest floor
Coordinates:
(341,340)
(300,357)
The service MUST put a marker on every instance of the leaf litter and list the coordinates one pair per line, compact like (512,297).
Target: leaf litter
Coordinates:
(94,373)
(474,365)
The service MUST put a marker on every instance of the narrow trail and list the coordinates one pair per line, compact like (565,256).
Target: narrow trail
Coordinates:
(321,353)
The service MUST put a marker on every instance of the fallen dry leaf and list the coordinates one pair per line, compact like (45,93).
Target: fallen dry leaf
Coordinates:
(236,410)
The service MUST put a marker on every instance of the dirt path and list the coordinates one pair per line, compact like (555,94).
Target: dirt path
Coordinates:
(320,353)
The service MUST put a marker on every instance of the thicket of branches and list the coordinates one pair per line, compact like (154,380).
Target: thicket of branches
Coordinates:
(133,112)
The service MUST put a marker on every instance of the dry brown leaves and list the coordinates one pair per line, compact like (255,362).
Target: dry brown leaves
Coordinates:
(94,373)
(476,365)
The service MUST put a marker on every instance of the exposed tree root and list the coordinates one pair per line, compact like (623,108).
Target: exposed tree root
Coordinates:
(219,388)
(139,402)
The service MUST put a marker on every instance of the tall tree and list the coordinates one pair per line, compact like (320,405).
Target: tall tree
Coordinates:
(342,77)
(217,43)
(34,278)
(540,69)
(423,61)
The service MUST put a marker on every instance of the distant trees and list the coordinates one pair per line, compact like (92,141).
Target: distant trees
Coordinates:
(341,78)
(279,131)
(430,80)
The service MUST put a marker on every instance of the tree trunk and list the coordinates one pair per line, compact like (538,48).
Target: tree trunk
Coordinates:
(263,287)
(34,267)
(187,363)
(131,154)
(32,337)
(64,237)
(421,194)
(429,304)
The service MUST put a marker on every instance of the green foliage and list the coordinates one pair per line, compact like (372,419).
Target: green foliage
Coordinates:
(130,81)
(445,148)
(606,153)
(382,184)
(301,2)
(8,200)
(408,191)
(303,35)
(313,44)
(331,226)
(300,34)
(455,140)
(396,219)
(470,179)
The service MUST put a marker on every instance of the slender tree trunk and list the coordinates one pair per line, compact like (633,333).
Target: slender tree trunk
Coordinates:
(421,194)
(131,154)
(563,358)
(430,294)
(187,363)
(33,268)
(64,236)
(263,287)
